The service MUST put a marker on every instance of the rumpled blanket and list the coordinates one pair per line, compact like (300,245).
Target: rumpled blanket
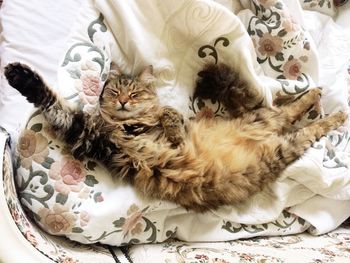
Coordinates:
(279,47)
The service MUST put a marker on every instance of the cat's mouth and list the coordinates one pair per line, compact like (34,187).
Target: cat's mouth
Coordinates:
(123,109)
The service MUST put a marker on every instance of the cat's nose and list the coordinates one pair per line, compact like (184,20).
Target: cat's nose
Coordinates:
(123,101)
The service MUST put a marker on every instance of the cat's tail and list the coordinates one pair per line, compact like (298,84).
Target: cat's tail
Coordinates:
(225,83)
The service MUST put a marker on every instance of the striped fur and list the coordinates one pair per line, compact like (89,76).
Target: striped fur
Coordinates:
(201,164)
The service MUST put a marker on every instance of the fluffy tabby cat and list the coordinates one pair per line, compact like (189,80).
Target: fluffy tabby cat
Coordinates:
(208,163)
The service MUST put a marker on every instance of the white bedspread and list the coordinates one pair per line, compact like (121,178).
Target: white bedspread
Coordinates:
(267,42)
(34,32)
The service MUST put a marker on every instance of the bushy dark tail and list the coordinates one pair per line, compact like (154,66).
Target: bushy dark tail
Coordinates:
(225,83)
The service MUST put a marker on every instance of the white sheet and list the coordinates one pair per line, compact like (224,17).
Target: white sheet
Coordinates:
(34,32)
(136,44)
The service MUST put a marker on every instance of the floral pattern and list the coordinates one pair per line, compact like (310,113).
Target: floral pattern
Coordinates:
(327,7)
(283,52)
(332,247)
(292,69)
(69,175)
(283,48)
(32,146)
(89,84)
(55,248)
(270,45)
(53,186)
(54,182)
(58,220)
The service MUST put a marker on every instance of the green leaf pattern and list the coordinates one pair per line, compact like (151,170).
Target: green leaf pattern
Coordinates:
(48,191)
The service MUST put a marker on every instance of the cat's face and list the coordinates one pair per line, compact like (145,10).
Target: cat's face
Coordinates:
(126,97)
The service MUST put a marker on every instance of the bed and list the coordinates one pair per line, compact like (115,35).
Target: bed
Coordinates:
(281,47)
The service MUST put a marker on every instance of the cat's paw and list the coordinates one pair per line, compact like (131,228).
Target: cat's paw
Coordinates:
(24,79)
(333,121)
(339,118)
(174,125)
(21,76)
(314,94)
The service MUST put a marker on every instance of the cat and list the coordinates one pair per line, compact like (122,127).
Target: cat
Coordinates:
(201,164)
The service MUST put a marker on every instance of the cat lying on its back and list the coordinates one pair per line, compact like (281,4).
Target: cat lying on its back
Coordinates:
(201,165)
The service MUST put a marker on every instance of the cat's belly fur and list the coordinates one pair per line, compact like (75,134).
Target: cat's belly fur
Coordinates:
(225,147)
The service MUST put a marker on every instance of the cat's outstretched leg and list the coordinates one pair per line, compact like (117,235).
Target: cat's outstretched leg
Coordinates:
(298,108)
(280,120)
(285,149)
(173,124)
(224,83)
(31,85)
(80,130)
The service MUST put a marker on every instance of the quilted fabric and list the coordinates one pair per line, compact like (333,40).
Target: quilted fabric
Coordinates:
(275,54)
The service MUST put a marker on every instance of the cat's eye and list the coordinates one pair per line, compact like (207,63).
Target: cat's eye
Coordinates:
(114,92)
(133,95)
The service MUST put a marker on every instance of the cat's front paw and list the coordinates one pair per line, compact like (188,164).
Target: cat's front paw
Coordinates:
(174,126)
(22,78)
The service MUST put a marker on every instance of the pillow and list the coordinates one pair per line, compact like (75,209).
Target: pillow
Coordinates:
(22,41)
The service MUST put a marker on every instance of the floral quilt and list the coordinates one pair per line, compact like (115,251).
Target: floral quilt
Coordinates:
(80,200)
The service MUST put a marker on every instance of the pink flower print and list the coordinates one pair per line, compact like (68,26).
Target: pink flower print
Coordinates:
(67,260)
(91,85)
(58,220)
(89,88)
(132,223)
(62,188)
(289,23)
(70,171)
(292,69)
(84,218)
(15,215)
(31,238)
(201,256)
(32,146)
(270,45)
(69,175)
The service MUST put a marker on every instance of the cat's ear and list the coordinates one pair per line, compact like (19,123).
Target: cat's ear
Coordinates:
(114,71)
(146,75)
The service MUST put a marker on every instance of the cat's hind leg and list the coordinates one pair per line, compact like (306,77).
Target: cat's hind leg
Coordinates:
(285,149)
(280,120)
(298,108)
